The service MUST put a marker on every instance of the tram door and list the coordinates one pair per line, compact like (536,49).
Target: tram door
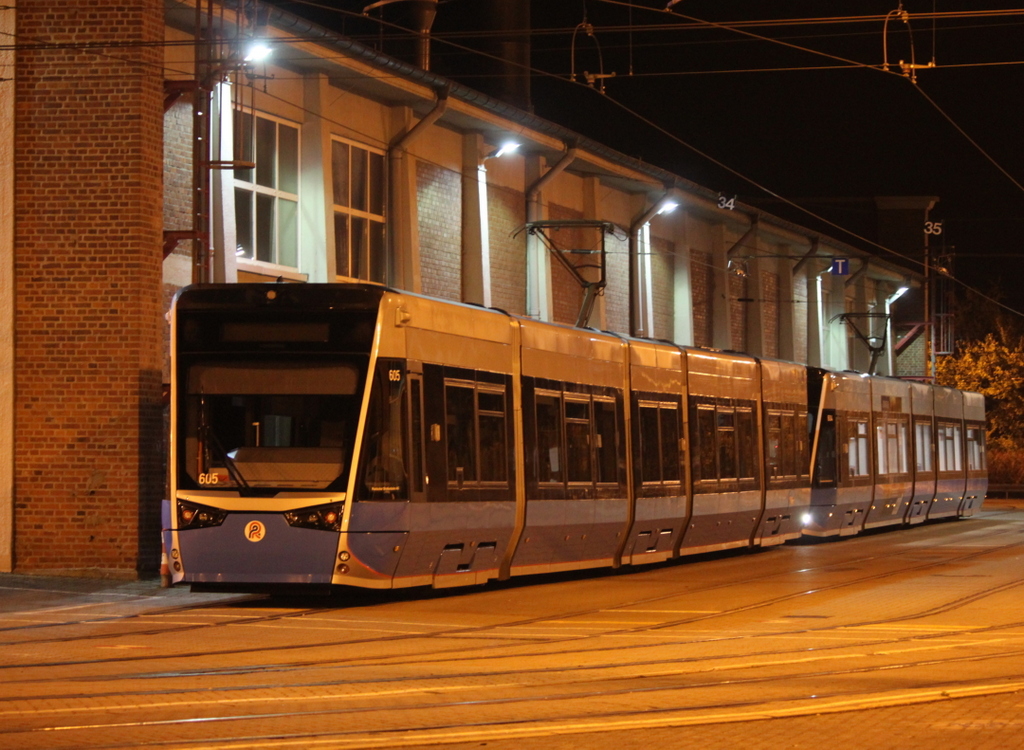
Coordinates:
(415,420)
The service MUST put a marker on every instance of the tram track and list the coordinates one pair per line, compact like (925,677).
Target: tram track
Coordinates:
(567,678)
(443,655)
(491,627)
(580,690)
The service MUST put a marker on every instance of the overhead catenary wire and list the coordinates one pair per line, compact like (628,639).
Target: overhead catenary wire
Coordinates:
(650,123)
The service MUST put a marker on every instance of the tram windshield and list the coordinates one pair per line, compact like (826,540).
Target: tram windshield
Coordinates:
(270,424)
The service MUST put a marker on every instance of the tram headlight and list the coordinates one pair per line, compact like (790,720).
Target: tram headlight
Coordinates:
(322,518)
(196,516)
(807,519)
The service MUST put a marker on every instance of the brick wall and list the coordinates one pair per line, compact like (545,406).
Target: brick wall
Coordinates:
(616,294)
(566,292)
(506,210)
(738,312)
(800,305)
(177,169)
(702,286)
(439,200)
(88,154)
(911,362)
(770,313)
(663,288)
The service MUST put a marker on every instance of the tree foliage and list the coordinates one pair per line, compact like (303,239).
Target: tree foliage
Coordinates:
(993,366)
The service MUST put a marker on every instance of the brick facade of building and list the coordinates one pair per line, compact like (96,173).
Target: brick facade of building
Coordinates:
(89,154)
(663,288)
(770,314)
(702,287)
(103,165)
(507,211)
(439,211)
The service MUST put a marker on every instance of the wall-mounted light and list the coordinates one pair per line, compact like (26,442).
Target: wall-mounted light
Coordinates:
(257,52)
(667,207)
(897,294)
(508,147)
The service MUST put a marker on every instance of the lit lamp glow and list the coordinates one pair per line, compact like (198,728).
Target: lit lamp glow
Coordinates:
(257,52)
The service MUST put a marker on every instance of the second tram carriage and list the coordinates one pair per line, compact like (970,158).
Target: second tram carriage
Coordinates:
(349,434)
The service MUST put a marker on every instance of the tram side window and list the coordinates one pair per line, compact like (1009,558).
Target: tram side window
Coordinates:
(857,443)
(746,445)
(702,435)
(950,450)
(726,443)
(549,437)
(825,469)
(923,446)
(577,433)
(606,435)
(493,456)
(903,443)
(891,447)
(475,427)
(460,423)
(659,443)
(775,449)
(975,449)
(802,444)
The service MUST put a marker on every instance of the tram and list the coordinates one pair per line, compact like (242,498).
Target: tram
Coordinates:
(328,435)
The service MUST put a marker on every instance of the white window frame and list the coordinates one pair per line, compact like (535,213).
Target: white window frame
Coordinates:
(375,221)
(277,195)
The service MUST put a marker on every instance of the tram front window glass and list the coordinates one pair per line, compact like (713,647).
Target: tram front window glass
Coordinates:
(461,434)
(269,425)
(549,438)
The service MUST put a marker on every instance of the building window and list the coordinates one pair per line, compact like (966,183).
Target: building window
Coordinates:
(357,176)
(267,196)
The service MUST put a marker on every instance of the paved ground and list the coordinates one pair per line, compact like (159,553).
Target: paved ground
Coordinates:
(908,639)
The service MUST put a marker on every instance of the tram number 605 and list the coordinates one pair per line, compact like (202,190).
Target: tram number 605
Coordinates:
(210,478)
(394,375)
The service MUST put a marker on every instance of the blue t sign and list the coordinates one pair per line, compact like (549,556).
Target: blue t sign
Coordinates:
(840,266)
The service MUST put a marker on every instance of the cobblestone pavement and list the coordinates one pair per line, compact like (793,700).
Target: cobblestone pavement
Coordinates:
(905,639)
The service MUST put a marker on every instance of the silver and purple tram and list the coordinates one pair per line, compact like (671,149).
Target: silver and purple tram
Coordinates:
(349,434)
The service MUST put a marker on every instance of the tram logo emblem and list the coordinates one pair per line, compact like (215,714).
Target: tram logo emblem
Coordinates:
(255,531)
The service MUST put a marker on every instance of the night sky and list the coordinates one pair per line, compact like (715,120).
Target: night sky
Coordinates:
(773,121)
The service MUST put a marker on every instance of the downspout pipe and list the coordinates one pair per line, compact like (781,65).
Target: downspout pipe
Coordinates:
(440,105)
(634,259)
(400,255)
(534,213)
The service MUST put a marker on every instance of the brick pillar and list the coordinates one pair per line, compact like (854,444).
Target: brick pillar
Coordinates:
(87,246)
